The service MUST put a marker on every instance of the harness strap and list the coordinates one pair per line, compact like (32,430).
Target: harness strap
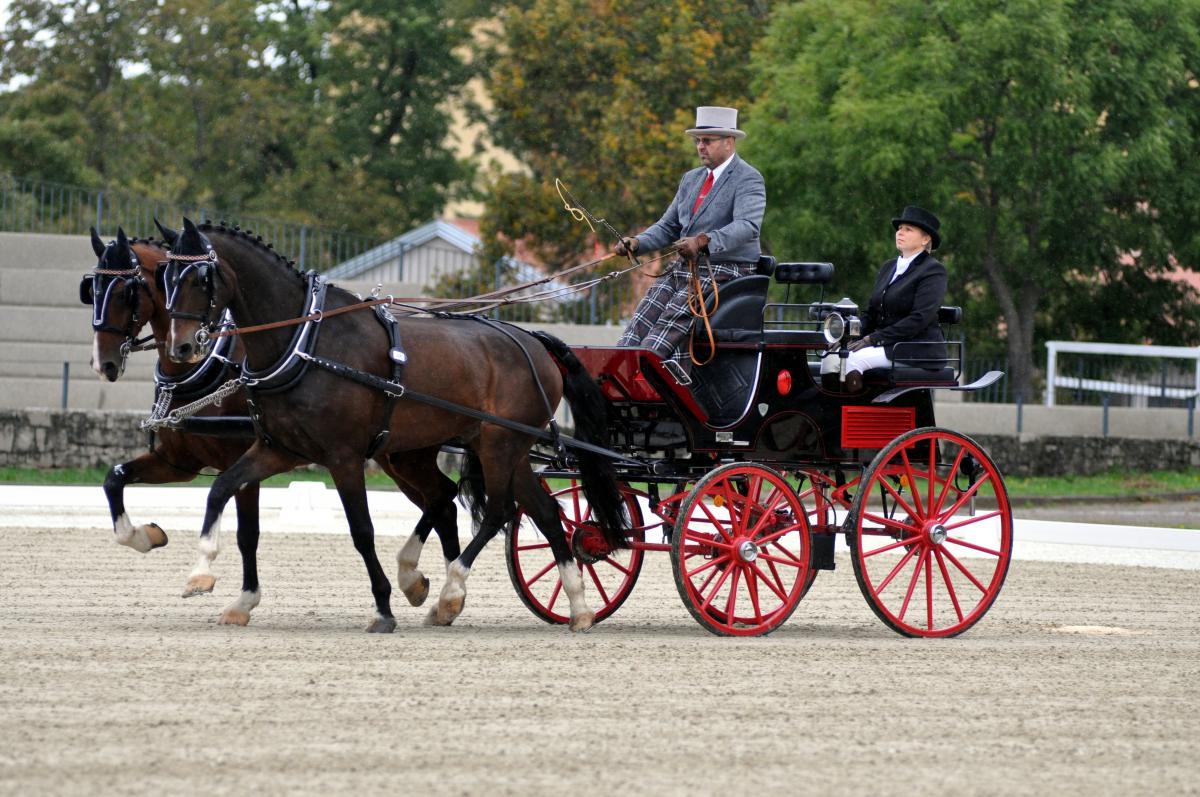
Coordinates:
(399,360)
(370,380)
(699,309)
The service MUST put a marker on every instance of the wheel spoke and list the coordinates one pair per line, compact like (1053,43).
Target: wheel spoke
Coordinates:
(778,578)
(777,533)
(891,546)
(713,594)
(541,573)
(736,519)
(608,560)
(976,519)
(554,595)
(533,546)
(716,522)
(731,600)
(791,561)
(752,589)
(929,590)
(912,585)
(972,546)
(970,576)
(914,491)
(899,499)
(966,496)
(599,587)
(949,584)
(899,565)
(767,511)
(892,522)
(941,499)
(707,564)
(763,576)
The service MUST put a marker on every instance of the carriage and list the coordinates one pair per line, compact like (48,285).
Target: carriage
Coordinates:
(749,476)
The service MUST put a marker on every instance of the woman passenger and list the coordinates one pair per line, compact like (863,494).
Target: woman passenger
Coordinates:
(900,321)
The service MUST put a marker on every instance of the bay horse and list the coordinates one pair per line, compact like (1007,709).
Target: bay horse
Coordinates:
(494,376)
(125,296)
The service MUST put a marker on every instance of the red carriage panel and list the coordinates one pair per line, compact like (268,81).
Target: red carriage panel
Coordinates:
(875,427)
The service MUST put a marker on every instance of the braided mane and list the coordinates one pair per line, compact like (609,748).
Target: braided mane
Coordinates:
(250,238)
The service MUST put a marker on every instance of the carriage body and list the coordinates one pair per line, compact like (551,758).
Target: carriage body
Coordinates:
(762,463)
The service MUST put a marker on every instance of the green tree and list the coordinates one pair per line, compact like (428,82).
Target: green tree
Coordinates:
(598,94)
(1051,137)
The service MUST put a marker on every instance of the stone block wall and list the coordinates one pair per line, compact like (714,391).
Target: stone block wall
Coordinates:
(73,439)
(85,438)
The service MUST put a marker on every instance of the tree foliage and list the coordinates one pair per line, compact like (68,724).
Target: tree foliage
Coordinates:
(1057,141)
(334,113)
(598,94)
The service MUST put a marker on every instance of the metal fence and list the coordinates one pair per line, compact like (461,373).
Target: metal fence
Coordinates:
(39,206)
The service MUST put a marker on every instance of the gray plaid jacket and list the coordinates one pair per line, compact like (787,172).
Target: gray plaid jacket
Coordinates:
(731,215)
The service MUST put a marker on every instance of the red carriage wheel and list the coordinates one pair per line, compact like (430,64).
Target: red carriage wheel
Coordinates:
(926,566)
(740,550)
(608,578)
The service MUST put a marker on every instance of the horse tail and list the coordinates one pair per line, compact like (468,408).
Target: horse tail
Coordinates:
(471,487)
(590,412)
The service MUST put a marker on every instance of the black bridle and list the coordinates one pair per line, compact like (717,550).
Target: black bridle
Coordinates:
(205,267)
(100,287)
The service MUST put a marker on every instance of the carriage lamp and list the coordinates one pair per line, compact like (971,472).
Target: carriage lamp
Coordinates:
(833,328)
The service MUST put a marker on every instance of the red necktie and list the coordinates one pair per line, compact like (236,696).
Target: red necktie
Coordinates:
(708,181)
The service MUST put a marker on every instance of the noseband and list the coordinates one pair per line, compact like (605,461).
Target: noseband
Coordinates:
(206,268)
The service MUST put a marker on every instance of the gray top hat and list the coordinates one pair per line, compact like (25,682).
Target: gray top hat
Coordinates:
(716,121)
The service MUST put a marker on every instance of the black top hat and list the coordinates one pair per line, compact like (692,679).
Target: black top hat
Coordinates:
(919,217)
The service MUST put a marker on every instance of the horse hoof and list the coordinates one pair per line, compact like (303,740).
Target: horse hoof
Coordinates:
(155,534)
(234,617)
(198,585)
(382,625)
(417,591)
(449,610)
(583,621)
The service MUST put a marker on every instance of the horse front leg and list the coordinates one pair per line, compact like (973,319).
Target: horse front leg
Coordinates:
(149,468)
(258,463)
(238,612)
(352,489)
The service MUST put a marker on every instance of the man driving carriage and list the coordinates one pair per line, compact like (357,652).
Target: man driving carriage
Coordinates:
(717,211)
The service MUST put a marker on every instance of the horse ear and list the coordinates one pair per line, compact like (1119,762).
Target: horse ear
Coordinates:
(189,227)
(170,236)
(97,244)
(122,241)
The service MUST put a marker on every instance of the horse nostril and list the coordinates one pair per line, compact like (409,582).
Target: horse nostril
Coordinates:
(111,372)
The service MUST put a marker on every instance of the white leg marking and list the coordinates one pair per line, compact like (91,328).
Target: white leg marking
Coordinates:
(137,538)
(201,579)
(454,595)
(406,561)
(238,612)
(209,546)
(573,585)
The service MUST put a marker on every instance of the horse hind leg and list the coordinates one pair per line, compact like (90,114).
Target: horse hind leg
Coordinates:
(498,511)
(419,478)
(543,511)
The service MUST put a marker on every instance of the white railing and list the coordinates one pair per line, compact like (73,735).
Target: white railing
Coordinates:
(1053,380)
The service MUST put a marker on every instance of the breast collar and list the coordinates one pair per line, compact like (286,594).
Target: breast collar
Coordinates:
(289,369)
(205,377)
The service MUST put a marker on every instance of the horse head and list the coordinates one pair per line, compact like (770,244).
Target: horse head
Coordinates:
(197,292)
(121,304)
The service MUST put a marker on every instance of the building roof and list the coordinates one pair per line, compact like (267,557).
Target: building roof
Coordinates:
(386,252)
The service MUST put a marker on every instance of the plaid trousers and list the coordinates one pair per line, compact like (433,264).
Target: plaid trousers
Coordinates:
(662,320)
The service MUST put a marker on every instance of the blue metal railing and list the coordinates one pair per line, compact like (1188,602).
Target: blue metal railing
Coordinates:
(39,206)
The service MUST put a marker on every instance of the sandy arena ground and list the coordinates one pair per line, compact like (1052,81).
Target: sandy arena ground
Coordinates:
(1083,679)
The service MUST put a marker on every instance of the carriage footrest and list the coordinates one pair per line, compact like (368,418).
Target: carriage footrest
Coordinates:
(822,552)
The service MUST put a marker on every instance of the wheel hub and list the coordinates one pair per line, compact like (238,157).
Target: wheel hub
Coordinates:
(937,534)
(747,550)
(588,544)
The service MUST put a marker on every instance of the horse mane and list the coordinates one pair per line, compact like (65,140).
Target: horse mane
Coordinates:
(256,241)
